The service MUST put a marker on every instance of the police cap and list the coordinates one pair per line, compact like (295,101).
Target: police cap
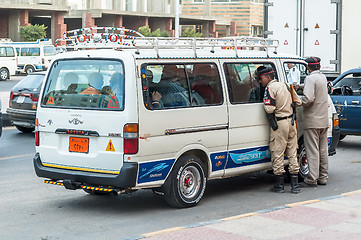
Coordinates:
(263,70)
(313,60)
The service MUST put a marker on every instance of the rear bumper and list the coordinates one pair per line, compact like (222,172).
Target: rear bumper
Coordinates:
(125,179)
(21,117)
(334,141)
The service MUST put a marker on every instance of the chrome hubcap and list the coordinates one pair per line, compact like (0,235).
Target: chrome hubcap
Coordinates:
(189,182)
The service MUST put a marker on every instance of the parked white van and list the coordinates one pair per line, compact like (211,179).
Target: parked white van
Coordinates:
(162,114)
(34,56)
(8,62)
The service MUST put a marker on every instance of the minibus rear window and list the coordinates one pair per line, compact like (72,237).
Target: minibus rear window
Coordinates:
(49,51)
(85,84)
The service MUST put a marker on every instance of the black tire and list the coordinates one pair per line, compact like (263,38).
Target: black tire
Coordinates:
(29,69)
(342,137)
(25,129)
(302,162)
(4,74)
(186,184)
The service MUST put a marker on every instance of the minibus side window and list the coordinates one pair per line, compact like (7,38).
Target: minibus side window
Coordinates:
(181,85)
(2,52)
(30,52)
(242,84)
(10,52)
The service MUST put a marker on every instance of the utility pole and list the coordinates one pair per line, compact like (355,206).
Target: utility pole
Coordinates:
(176,19)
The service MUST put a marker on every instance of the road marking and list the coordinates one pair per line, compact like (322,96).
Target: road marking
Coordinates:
(302,203)
(17,156)
(165,231)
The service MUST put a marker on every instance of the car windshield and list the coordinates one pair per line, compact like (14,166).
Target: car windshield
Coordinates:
(30,83)
(353,81)
(85,84)
(49,51)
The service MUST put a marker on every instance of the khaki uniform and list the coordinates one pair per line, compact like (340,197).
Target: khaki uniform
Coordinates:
(315,111)
(277,99)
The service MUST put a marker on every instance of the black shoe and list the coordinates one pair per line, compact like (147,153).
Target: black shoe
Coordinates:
(321,182)
(294,184)
(279,185)
(306,185)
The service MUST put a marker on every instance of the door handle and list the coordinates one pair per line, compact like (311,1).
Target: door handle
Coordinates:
(355,102)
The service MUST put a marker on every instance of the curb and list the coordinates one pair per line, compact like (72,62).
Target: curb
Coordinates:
(246,215)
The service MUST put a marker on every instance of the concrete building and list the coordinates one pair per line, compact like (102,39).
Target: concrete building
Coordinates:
(246,16)
(63,15)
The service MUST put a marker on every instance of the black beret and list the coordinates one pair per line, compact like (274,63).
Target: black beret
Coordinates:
(263,70)
(313,60)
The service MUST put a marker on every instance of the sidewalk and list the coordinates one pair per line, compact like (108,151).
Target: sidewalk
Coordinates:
(336,217)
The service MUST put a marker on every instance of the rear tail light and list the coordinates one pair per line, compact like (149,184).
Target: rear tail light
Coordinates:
(131,138)
(12,95)
(42,61)
(336,121)
(34,97)
(37,140)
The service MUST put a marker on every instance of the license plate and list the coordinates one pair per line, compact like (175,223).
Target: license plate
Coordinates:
(77,144)
(21,99)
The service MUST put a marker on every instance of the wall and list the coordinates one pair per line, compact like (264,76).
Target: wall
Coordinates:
(351,35)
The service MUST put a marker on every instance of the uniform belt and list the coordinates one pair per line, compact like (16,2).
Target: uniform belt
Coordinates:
(283,118)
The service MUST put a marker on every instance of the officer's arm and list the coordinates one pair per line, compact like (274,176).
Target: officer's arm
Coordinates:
(269,101)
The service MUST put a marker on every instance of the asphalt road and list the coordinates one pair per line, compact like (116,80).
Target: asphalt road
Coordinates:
(31,209)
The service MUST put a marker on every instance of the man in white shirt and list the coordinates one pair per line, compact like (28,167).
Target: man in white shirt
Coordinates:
(294,75)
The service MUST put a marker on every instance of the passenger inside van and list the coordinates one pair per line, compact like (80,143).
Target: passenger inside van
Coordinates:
(204,76)
(71,82)
(95,84)
(172,89)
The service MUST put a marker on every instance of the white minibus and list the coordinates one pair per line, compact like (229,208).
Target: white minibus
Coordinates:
(8,62)
(162,114)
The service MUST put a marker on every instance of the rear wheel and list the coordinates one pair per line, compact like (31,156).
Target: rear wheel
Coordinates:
(4,74)
(29,69)
(25,129)
(302,161)
(186,184)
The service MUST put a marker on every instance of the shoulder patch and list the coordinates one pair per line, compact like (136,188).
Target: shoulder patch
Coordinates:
(267,99)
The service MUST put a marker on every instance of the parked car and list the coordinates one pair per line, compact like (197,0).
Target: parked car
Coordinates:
(346,97)
(23,102)
(1,120)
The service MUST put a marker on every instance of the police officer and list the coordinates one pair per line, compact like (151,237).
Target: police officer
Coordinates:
(315,112)
(283,137)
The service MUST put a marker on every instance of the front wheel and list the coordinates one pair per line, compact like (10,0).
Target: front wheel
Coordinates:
(302,161)
(342,137)
(186,184)
(4,74)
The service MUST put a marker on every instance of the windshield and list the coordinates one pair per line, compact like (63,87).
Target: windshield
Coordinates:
(85,84)
(30,82)
(49,51)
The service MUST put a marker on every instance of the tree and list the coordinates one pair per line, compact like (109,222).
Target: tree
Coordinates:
(32,33)
(188,32)
(145,30)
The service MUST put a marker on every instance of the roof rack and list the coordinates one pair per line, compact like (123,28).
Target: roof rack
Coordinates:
(121,38)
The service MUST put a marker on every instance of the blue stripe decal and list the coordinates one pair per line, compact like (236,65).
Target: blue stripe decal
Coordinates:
(154,171)
(218,161)
(251,156)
